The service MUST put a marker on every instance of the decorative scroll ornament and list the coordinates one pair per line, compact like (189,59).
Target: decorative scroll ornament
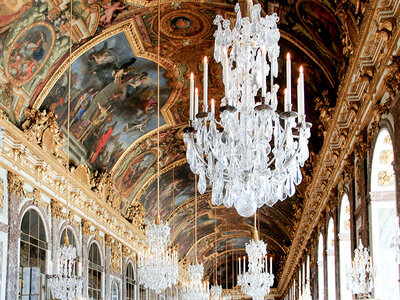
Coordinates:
(256,158)
(360,277)
(256,281)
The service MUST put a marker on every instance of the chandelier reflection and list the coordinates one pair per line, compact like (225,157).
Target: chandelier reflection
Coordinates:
(360,277)
(252,156)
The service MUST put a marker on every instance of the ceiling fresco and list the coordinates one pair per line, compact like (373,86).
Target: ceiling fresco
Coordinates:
(114,92)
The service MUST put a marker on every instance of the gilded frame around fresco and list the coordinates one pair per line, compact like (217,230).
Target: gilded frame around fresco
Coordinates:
(10,77)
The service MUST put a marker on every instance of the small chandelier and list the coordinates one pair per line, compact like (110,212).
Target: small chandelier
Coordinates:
(360,276)
(158,265)
(255,158)
(227,297)
(196,289)
(306,295)
(64,285)
(216,292)
(395,244)
(256,281)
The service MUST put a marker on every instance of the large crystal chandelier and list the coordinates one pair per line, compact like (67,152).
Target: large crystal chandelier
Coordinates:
(158,265)
(360,276)
(256,281)
(253,154)
(196,289)
(64,284)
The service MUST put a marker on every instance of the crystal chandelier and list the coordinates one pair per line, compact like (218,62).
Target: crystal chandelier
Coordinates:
(215,292)
(253,155)
(306,295)
(227,297)
(360,276)
(395,244)
(256,281)
(158,267)
(64,284)
(196,289)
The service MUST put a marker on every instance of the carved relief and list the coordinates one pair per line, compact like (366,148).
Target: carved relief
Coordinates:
(116,257)
(392,79)
(385,178)
(386,157)
(108,240)
(15,185)
(325,112)
(42,128)
(135,214)
(85,227)
(56,209)
(126,251)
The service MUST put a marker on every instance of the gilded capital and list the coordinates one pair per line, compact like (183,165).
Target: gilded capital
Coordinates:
(56,209)
(15,185)
(85,227)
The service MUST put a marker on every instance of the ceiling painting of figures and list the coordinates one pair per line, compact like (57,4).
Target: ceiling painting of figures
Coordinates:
(113,100)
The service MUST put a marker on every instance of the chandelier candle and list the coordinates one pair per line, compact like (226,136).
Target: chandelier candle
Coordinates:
(191,96)
(288,83)
(205,85)
(253,154)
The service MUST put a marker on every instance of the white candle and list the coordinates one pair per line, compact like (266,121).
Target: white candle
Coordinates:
(301,98)
(288,79)
(196,101)
(266,266)
(205,85)
(270,265)
(244,264)
(191,95)
(225,72)
(213,112)
(239,266)
(263,74)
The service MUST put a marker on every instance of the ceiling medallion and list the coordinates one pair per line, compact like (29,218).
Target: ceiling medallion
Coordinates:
(253,154)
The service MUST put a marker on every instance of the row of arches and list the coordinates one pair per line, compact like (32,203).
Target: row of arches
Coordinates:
(336,242)
(35,263)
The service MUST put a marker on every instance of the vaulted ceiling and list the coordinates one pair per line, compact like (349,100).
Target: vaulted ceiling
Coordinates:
(113,99)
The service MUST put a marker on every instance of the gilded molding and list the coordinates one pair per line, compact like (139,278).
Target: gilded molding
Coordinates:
(116,257)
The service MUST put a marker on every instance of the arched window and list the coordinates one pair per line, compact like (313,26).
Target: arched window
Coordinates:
(114,291)
(383,219)
(321,268)
(95,273)
(330,261)
(32,256)
(344,247)
(130,282)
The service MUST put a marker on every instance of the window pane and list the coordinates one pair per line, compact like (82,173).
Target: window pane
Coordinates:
(24,259)
(25,224)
